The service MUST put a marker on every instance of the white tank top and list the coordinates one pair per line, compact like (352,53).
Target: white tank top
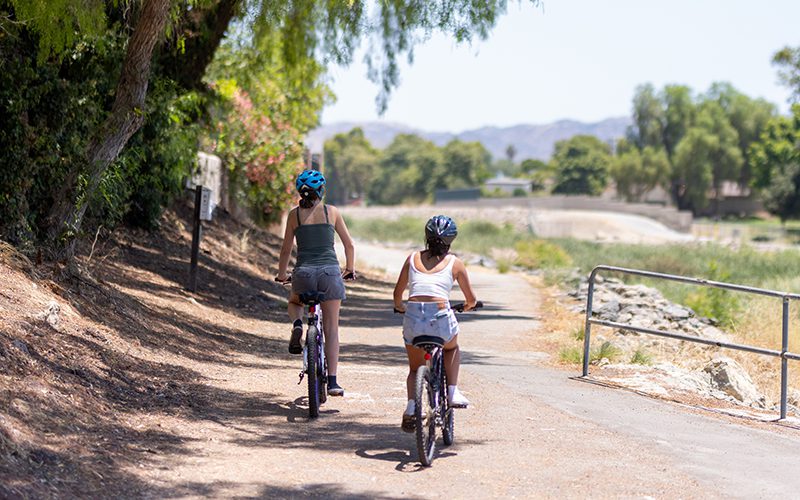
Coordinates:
(436,284)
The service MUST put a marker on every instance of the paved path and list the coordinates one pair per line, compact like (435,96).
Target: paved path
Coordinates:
(531,431)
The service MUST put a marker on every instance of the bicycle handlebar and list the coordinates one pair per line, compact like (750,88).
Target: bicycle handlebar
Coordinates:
(458,307)
(351,276)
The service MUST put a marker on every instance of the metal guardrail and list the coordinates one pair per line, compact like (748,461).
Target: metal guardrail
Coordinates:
(783,353)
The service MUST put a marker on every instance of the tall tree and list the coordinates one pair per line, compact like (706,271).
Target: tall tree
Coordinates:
(350,164)
(125,119)
(726,157)
(747,116)
(788,61)
(679,115)
(692,169)
(581,164)
(776,165)
(328,31)
(648,118)
(411,168)
(635,172)
(466,164)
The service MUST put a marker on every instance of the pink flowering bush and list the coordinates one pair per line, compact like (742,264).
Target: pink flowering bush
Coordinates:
(262,152)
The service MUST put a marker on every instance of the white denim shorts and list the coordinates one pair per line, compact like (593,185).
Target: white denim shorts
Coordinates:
(429,318)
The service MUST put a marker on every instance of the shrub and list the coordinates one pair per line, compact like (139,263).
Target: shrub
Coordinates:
(606,350)
(641,357)
(571,355)
(538,254)
(715,303)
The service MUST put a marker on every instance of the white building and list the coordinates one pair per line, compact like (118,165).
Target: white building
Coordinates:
(508,184)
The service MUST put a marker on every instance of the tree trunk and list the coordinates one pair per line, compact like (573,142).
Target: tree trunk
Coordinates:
(203,31)
(127,116)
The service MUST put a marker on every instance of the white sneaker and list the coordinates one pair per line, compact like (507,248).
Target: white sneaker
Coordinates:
(455,398)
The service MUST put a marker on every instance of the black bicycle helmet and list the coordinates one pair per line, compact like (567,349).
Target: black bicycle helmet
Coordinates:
(441,227)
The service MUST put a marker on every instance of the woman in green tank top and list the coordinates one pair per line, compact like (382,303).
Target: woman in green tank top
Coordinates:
(313,224)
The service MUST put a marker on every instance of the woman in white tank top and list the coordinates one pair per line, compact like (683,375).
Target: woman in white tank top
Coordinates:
(429,276)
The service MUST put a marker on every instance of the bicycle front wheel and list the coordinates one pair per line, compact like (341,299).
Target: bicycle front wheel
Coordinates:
(425,415)
(313,372)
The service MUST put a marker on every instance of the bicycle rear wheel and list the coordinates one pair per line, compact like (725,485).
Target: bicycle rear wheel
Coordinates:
(426,417)
(448,415)
(313,372)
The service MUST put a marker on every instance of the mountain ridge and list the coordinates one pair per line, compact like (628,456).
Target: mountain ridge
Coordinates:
(530,140)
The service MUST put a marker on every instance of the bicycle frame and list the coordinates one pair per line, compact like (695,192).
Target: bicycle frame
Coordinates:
(314,362)
(434,361)
(314,313)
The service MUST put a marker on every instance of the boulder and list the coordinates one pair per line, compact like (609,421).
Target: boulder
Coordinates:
(729,377)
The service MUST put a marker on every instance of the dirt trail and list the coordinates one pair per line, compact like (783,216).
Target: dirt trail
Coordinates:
(254,440)
(195,396)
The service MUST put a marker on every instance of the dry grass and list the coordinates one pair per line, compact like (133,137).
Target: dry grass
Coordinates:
(12,258)
(561,329)
(760,325)
(561,333)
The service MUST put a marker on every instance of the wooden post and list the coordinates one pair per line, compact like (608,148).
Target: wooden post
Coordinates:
(197,233)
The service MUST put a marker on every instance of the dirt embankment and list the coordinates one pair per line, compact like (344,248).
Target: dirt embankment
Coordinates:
(83,358)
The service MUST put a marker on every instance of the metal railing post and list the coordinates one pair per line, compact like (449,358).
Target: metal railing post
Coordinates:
(587,332)
(784,361)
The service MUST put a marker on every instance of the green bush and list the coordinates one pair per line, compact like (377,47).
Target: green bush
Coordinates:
(571,355)
(606,350)
(641,357)
(715,303)
(48,113)
(541,254)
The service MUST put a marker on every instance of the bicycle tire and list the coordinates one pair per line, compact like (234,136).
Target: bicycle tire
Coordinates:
(323,372)
(426,428)
(448,415)
(313,372)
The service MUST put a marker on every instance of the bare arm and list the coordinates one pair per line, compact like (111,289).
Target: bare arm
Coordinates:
(347,242)
(399,288)
(460,272)
(286,247)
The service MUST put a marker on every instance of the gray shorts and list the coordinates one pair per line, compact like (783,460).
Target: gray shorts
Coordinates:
(429,318)
(327,279)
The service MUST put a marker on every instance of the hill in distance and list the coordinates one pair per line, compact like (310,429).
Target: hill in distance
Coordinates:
(531,141)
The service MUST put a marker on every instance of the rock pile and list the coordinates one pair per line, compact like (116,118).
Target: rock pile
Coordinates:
(682,365)
(643,306)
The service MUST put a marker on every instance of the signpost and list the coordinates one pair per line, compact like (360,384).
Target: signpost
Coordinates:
(203,210)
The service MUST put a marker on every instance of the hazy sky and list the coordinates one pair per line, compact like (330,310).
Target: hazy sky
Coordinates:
(579,59)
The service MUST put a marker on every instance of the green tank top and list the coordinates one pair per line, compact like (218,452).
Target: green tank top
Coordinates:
(315,243)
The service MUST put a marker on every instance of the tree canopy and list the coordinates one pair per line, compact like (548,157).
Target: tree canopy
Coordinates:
(581,165)
(294,40)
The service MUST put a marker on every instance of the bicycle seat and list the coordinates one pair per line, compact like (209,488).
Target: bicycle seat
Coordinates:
(312,298)
(423,340)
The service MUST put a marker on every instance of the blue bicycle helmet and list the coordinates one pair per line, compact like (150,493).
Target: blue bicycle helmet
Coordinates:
(311,180)
(441,227)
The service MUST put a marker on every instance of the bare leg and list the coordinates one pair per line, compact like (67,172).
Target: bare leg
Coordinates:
(295,308)
(416,358)
(330,324)
(452,361)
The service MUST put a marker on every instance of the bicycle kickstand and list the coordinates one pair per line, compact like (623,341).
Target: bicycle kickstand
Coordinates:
(302,374)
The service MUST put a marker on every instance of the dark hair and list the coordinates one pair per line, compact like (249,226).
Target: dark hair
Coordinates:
(307,198)
(437,247)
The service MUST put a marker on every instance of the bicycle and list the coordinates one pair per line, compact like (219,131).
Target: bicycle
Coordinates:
(314,363)
(432,409)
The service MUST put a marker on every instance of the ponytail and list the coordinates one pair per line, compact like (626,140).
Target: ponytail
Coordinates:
(436,247)
(307,198)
